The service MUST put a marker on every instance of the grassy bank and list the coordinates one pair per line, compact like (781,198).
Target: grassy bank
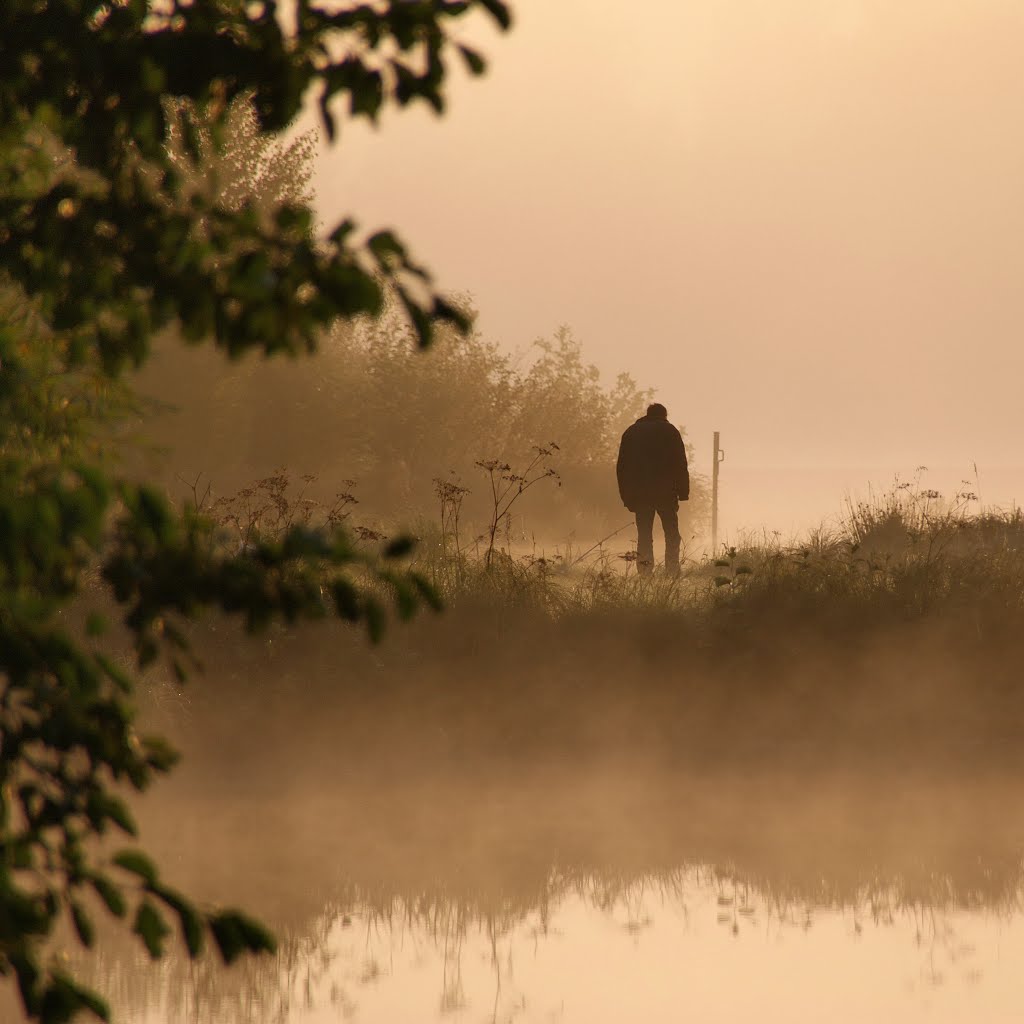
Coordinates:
(907,556)
(893,644)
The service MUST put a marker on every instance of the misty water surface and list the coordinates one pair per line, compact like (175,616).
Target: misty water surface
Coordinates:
(559,895)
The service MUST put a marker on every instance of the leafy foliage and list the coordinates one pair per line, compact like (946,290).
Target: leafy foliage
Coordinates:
(84,168)
(113,226)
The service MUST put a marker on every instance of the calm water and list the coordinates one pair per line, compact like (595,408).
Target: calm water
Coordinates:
(650,957)
(598,898)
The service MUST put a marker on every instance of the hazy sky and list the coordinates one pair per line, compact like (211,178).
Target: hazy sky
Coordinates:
(801,220)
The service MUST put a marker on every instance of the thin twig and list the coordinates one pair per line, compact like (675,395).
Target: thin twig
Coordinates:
(615,533)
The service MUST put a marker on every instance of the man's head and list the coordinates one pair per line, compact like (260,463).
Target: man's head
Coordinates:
(657,411)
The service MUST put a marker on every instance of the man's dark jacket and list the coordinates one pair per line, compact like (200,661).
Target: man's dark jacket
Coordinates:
(652,468)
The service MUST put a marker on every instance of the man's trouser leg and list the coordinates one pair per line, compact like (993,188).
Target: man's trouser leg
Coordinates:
(645,540)
(670,524)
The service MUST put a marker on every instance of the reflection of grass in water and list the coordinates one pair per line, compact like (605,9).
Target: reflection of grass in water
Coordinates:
(449,858)
(263,990)
(310,971)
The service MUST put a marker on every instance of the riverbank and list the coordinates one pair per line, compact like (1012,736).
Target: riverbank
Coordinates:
(895,646)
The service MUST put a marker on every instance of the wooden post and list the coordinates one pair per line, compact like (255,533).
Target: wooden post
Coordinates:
(717,458)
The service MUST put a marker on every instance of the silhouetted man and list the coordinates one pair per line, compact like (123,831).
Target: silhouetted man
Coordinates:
(653,477)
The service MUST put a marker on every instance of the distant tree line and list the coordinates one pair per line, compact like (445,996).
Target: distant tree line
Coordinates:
(367,414)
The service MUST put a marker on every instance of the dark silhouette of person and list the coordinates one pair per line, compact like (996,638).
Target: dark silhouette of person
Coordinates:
(654,477)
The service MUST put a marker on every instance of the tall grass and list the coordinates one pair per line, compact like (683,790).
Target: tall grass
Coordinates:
(904,556)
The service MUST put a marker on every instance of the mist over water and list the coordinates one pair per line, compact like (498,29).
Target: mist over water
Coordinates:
(594,895)
(498,815)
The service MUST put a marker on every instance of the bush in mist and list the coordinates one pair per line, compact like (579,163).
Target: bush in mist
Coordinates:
(367,409)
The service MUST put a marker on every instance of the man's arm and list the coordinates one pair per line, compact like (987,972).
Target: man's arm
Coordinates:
(682,470)
(621,470)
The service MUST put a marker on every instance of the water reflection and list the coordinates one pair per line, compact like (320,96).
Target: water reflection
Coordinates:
(598,896)
(649,957)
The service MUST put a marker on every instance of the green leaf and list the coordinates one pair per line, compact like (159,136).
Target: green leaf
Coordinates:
(346,600)
(116,675)
(110,894)
(188,917)
(138,864)
(103,806)
(367,93)
(500,12)
(191,929)
(406,598)
(228,937)
(422,323)
(83,924)
(27,971)
(427,591)
(64,999)
(376,620)
(386,247)
(340,235)
(400,547)
(160,755)
(474,62)
(235,933)
(447,312)
(151,928)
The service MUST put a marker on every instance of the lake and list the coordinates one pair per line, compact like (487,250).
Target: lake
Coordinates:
(558,894)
